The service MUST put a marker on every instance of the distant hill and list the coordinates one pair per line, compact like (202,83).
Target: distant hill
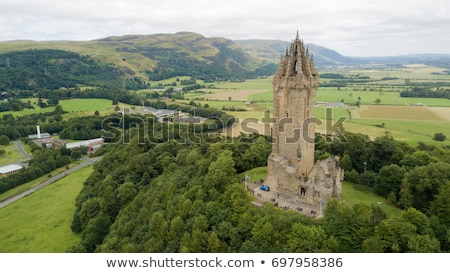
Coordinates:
(135,60)
(439,60)
(272,50)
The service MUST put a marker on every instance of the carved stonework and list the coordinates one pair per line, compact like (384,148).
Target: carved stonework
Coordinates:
(291,166)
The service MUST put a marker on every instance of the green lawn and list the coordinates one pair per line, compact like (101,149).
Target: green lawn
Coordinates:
(11,155)
(82,105)
(40,223)
(353,194)
(255,174)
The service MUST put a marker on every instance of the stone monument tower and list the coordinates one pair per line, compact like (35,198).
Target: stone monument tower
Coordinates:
(291,167)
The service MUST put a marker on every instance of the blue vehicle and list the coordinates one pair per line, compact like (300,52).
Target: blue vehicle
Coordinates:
(265,188)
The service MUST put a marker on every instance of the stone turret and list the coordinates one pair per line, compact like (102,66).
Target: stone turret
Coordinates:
(292,159)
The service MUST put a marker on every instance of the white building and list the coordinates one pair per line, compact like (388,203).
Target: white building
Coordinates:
(8,169)
(91,144)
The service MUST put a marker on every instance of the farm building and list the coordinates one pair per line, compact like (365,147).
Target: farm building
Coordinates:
(9,169)
(92,144)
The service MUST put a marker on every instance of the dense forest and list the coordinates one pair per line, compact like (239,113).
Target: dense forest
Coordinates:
(178,196)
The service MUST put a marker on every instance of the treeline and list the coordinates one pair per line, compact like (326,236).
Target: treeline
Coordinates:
(178,196)
(339,80)
(54,69)
(421,92)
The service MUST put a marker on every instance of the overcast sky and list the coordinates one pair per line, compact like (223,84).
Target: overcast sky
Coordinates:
(351,27)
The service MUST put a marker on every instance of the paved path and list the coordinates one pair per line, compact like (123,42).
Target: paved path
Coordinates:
(87,162)
(19,147)
(283,200)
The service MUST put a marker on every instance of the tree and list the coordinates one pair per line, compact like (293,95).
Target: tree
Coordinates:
(346,163)
(220,173)
(378,101)
(214,244)
(307,239)
(95,231)
(440,214)
(4,140)
(426,181)
(391,235)
(419,219)
(423,244)
(439,137)
(389,180)
(418,158)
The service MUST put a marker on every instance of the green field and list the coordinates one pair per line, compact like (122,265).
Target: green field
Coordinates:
(75,107)
(11,155)
(407,124)
(86,105)
(40,223)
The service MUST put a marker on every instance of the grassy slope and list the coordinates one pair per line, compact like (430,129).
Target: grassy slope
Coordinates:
(41,222)
(353,194)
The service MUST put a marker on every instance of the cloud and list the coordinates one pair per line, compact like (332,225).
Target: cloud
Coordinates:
(351,27)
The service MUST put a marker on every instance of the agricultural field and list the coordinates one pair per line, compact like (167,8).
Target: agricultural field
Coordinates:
(382,108)
(40,223)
